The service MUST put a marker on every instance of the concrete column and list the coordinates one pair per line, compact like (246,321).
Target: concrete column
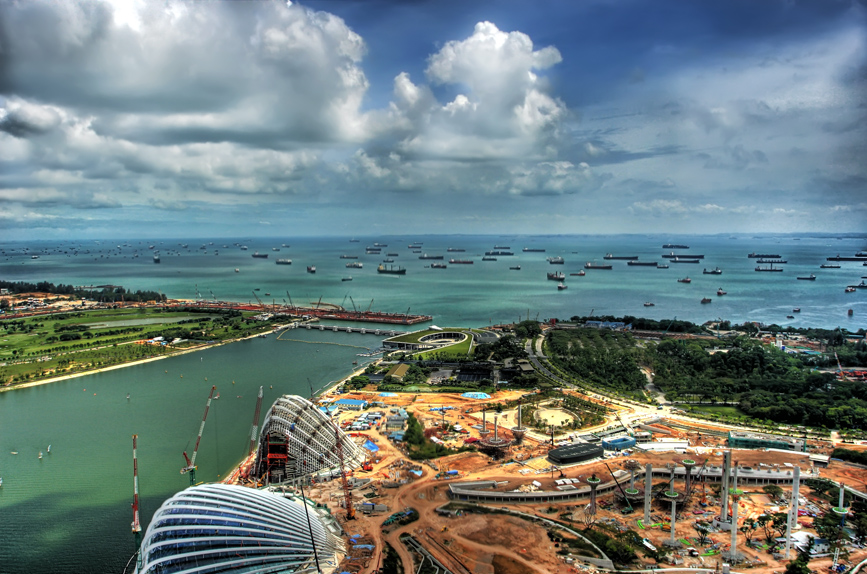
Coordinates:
(593,482)
(734,529)
(793,509)
(648,485)
(673,518)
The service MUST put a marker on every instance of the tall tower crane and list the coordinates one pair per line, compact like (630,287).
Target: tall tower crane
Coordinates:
(191,462)
(259,301)
(255,422)
(347,493)
(136,523)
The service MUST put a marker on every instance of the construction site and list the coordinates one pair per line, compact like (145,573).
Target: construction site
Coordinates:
(669,490)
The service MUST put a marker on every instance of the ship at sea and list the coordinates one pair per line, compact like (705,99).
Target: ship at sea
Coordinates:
(388,260)
(637,263)
(769,261)
(683,260)
(533,250)
(258,255)
(755,255)
(829,266)
(438,266)
(515,268)
(391,270)
(426,256)
(714,271)
(349,256)
(685,280)
(674,246)
(810,277)
(556,276)
(561,286)
(156,257)
(486,258)
(502,247)
(497,252)
(355,265)
(673,255)
(455,250)
(591,265)
(284,262)
(706,300)
(555,260)
(311,269)
(769,268)
(461,261)
(611,256)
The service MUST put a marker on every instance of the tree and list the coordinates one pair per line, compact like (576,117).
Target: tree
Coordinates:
(773,491)
(797,566)
(703,530)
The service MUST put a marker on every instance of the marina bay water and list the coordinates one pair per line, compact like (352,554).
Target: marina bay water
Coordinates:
(70,511)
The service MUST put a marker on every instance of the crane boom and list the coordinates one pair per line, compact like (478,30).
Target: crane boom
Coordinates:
(255,422)
(347,493)
(136,523)
(191,462)
(259,300)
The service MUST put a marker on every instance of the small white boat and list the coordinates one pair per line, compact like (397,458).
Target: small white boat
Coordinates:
(48,449)
(1,481)
(14,452)
(40,455)
(561,286)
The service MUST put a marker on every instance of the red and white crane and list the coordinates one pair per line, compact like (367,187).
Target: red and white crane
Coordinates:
(136,523)
(191,462)
(255,427)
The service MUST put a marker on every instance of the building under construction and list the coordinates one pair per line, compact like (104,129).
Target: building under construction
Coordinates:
(299,439)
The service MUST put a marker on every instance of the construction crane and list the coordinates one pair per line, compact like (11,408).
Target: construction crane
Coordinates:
(258,300)
(255,427)
(351,300)
(840,367)
(290,299)
(347,493)
(669,327)
(191,462)
(369,307)
(628,504)
(136,523)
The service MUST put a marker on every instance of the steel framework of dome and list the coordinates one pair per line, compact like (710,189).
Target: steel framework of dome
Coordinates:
(298,439)
(214,528)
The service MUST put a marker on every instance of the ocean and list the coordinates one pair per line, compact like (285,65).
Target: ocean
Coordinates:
(70,511)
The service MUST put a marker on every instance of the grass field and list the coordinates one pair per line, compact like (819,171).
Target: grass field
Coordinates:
(50,345)
(727,410)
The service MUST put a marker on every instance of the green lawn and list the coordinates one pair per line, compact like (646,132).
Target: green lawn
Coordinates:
(726,410)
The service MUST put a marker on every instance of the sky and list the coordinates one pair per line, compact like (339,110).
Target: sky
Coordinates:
(146,118)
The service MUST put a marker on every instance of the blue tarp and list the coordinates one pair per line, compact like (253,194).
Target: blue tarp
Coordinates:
(387,394)
(370,445)
(476,395)
(416,472)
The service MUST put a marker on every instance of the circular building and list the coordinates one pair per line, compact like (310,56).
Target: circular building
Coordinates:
(299,439)
(226,528)
(572,453)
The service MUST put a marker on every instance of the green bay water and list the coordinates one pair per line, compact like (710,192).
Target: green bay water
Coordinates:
(70,511)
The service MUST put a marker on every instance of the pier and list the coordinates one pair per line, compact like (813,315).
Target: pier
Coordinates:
(347,329)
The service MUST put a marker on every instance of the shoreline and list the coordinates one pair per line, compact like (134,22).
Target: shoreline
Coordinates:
(124,365)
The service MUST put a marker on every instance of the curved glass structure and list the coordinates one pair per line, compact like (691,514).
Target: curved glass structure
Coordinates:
(299,439)
(214,528)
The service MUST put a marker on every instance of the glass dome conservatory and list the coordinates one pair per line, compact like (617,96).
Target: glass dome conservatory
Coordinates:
(214,528)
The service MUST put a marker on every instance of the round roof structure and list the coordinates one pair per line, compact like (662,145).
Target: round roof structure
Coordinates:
(226,528)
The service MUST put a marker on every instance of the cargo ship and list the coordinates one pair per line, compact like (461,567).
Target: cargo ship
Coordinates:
(662,266)
(611,256)
(388,260)
(706,300)
(461,261)
(502,247)
(426,256)
(349,256)
(683,260)
(673,255)
(714,271)
(498,252)
(392,254)
(828,266)
(258,255)
(414,246)
(455,250)
(764,255)
(769,261)
(284,262)
(841,258)
(391,270)
(156,257)
(438,265)
(380,244)
(311,269)
(637,263)
(591,265)
(555,260)
(685,280)
(533,250)
(556,276)
(674,246)
(489,258)
(579,274)
(769,268)
(810,277)
(355,265)
(515,268)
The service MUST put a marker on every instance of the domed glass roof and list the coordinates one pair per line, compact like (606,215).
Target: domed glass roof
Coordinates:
(214,528)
